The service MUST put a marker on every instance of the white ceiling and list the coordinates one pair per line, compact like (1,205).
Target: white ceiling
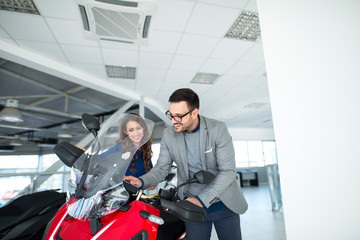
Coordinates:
(185,37)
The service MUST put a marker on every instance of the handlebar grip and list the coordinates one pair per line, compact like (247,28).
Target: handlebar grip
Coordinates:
(130,188)
(184,210)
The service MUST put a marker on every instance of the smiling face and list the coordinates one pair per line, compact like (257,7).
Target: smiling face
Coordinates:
(135,132)
(188,122)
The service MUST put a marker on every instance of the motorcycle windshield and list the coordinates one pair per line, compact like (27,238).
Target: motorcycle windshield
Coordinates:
(95,187)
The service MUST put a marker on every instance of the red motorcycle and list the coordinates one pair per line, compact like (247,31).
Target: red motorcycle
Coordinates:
(100,205)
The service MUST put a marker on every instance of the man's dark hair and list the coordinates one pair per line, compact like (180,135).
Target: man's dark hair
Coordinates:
(187,95)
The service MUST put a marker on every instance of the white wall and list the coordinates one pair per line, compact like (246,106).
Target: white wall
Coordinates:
(312,56)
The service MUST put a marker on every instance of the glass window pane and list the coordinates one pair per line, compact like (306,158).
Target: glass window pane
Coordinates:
(241,154)
(48,160)
(18,162)
(270,152)
(53,182)
(11,186)
(256,158)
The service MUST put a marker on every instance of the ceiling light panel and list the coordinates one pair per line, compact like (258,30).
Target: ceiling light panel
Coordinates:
(121,72)
(205,78)
(22,6)
(246,27)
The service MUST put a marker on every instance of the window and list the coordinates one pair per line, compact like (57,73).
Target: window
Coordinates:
(270,155)
(55,181)
(241,154)
(10,186)
(254,153)
(27,167)
(17,163)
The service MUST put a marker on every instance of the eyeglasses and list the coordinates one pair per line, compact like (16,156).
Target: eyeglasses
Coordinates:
(177,118)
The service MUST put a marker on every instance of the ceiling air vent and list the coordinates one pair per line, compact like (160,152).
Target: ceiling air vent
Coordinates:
(123,21)
(121,72)
(23,6)
(205,78)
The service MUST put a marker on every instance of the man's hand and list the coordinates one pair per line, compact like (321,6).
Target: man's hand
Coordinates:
(194,201)
(152,188)
(133,181)
(78,146)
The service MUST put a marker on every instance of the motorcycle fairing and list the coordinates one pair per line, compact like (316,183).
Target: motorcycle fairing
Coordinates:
(96,179)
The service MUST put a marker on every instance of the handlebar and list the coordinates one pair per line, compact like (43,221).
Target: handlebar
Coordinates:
(152,196)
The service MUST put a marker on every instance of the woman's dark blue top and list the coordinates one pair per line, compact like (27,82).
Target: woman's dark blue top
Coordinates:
(138,168)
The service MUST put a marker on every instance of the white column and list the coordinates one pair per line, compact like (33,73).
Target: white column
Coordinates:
(142,106)
(312,56)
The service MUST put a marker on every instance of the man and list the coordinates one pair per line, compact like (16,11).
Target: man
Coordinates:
(197,143)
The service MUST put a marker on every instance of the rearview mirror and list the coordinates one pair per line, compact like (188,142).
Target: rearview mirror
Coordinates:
(91,123)
(67,153)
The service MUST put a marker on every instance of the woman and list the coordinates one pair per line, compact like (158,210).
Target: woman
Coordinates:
(132,131)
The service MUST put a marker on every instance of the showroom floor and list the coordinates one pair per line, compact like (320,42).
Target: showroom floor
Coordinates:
(259,222)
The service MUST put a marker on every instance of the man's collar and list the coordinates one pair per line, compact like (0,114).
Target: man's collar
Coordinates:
(197,127)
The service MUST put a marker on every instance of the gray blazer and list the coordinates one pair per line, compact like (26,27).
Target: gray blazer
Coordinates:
(217,156)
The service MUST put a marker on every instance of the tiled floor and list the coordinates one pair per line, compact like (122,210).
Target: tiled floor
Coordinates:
(259,222)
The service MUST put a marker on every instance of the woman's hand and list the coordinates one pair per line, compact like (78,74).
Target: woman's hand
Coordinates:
(133,181)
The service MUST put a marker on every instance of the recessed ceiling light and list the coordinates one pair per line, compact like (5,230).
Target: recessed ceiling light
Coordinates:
(23,6)
(121,72)
(246,27)
(205,78)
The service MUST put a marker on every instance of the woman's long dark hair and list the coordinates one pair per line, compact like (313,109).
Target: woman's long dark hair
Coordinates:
(145,149)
